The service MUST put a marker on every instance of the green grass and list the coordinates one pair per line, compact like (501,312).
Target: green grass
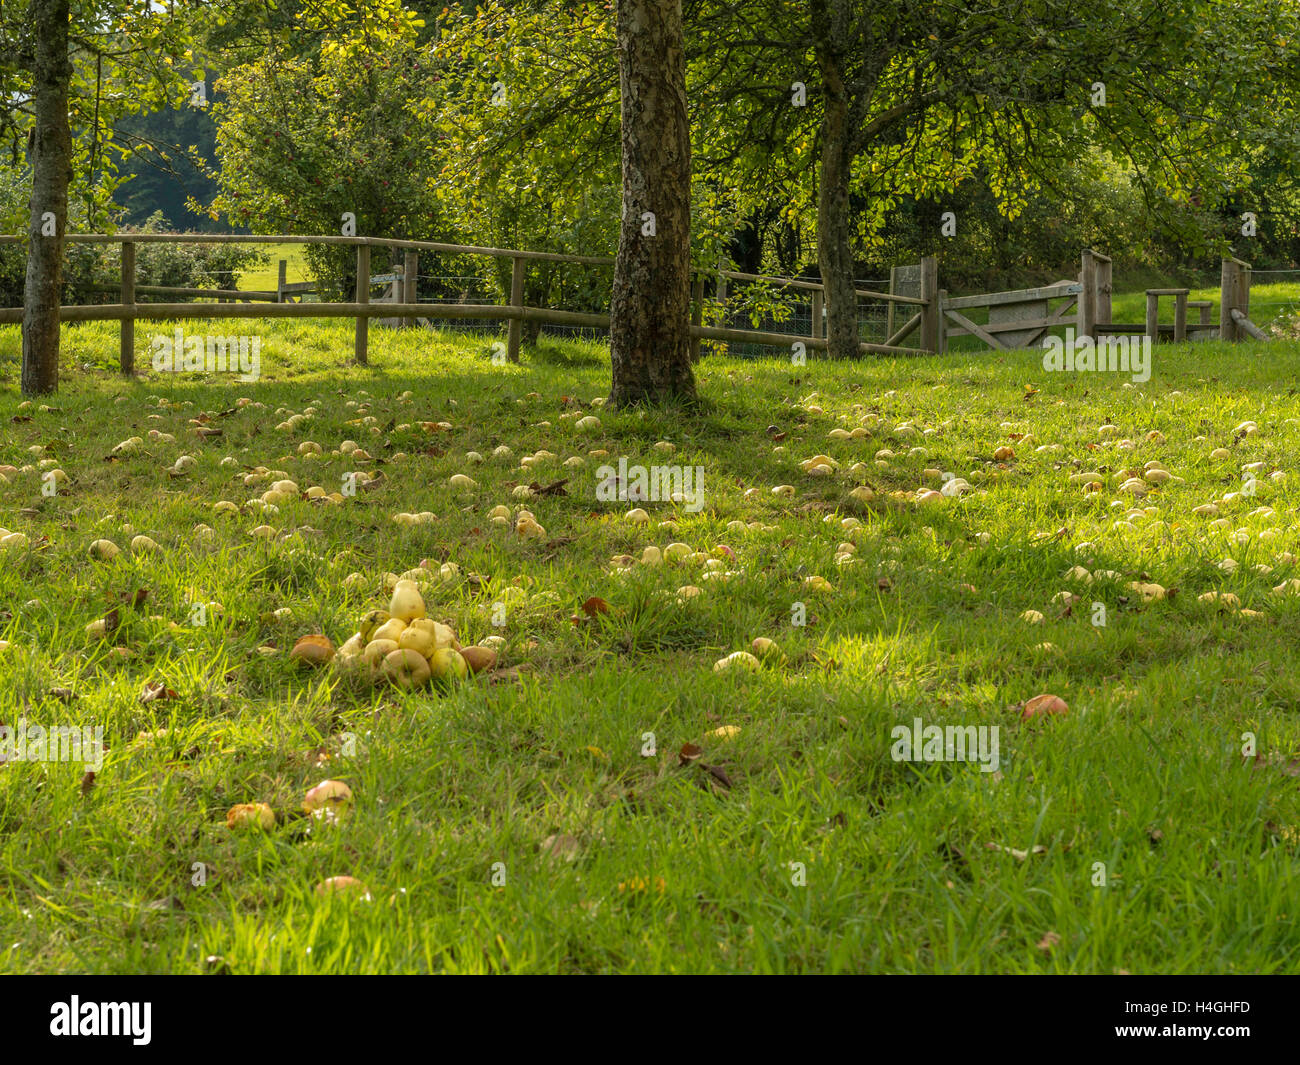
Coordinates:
(671,869)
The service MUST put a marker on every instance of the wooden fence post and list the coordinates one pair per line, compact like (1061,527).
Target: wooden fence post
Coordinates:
(817,324)
(1153,317)
(697,313)
(889,307)
(362,352)
(932,310)
(1180,317)
(410,275)
(1228,301)
(281,280)
(1086,319)
(127,352)
(516,328)
(1104,267)
(1242,302)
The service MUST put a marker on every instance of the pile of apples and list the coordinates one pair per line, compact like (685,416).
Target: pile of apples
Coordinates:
(406,647)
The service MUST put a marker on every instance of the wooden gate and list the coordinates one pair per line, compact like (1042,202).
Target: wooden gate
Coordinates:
(1017,319)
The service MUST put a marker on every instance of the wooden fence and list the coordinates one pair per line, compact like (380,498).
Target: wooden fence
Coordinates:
(1016,318)
(128,311)
(1021,318)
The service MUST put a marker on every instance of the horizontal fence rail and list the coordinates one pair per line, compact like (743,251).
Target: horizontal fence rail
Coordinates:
(400,303)
(1015,319)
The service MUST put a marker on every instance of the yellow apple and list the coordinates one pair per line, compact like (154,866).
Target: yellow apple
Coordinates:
(371,621)
(389,630)
(376,650)
(143,545)
(406,668)
(737,659)
(448,666)
(407,602)
(104,550)
(250,815)
(422,640)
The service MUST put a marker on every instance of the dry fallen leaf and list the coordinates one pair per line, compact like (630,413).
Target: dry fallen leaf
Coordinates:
(717,773)
(561,846)
(156,689)
(595,605)
(1018,855)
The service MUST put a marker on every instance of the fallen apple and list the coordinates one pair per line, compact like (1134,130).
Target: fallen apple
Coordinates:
(343,885)
(104,550)
(250,815)
(312,650)
(406,668)
(448,665)
(371,621)
(391,629)
(376,651)
(329,796)
(767,650)
(419,637)
(737,660)
(478,658)
(407,602)
(1045,705)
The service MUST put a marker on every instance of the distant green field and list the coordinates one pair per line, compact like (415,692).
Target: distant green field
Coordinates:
(265,277)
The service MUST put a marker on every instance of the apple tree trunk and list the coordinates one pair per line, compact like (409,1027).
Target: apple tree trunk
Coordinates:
(830,20)
(51,159)
(650,314)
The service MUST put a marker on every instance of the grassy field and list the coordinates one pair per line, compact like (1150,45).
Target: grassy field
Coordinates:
(546,817)
(266,277)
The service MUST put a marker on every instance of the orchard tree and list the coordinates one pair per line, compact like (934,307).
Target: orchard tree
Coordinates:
(543,157)
(334,128)
(649,330)
(96,61)
(51,158)
(877,102)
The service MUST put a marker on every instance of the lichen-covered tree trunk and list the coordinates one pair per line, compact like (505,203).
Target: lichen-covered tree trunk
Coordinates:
(834,233)
(830,21)
(649,329)
(51,159)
